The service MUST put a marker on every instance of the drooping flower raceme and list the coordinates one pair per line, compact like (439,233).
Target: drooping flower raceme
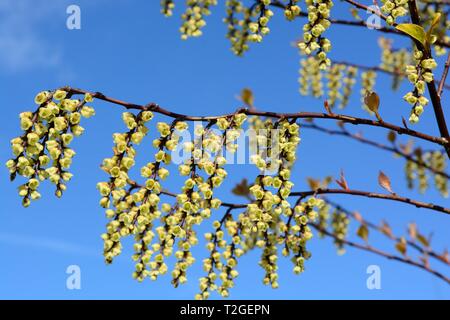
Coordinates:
(313,39)
(419,74)
(42,152)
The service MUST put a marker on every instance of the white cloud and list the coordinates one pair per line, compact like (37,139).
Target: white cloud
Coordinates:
(21,45)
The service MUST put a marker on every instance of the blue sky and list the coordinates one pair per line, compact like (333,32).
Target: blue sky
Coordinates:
(129,50)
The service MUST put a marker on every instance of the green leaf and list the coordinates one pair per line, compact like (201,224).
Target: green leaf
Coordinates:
(401,246)
(363,232)
(434,23)
(372,101)
(414,31)
(247,97)
(424,241)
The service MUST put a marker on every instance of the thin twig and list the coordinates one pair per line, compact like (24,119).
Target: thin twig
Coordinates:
(383,70)
(280,5)
(360,138)
(299,115)
(393,197)
(381,253)
(444,76)
(422,250)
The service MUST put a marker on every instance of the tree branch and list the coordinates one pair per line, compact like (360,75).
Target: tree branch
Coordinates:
(390,72)
(360,138)
(299,115)
(442,84)
(422,250)
(360,193)
(232,206)
(393,197)
(435,99)
(381,253)
(280,5)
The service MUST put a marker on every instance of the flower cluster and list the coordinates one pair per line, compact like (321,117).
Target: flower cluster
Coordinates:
(259,28)
(394,9)
(419,74)
(130,213)
(298,234)
(417,170)
(340,81)
(334,84)
(394,61)
(167,7)
(292,10)
(277,144)
(318,23)
(367,85)
(238,28)
(323,215)
(348,81)
(310,77)
(223,257)
(339,225)
(42,152)
(438,162)
(196,201)
(193,18)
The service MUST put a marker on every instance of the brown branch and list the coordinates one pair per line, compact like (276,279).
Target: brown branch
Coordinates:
(444,76)
(435,99)
(393,197)
(368,248)
(299,115)
(232,206)
(360,193)
(383,70)
(280,5)
(422,250)
(345,133)
(381,253)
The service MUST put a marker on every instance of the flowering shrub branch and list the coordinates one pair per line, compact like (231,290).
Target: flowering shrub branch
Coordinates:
(278,219)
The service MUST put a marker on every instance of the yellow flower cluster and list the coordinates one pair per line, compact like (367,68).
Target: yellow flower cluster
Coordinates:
(258,29)
(297,235)
(310,77)
(238,30)
(223,258)
(42,152)
(394,9)
(130,213)
(318,23)
(167,7)
(340,81)
(416,171)
(394,61)
(334,84)
(277,144)
(419,74)
(193,18)
(368,79)
(438,161)
(339,225)
(292,10)
(323,215)
(348,81)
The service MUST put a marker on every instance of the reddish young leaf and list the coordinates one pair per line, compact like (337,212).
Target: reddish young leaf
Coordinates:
(385,182)
(342,182)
